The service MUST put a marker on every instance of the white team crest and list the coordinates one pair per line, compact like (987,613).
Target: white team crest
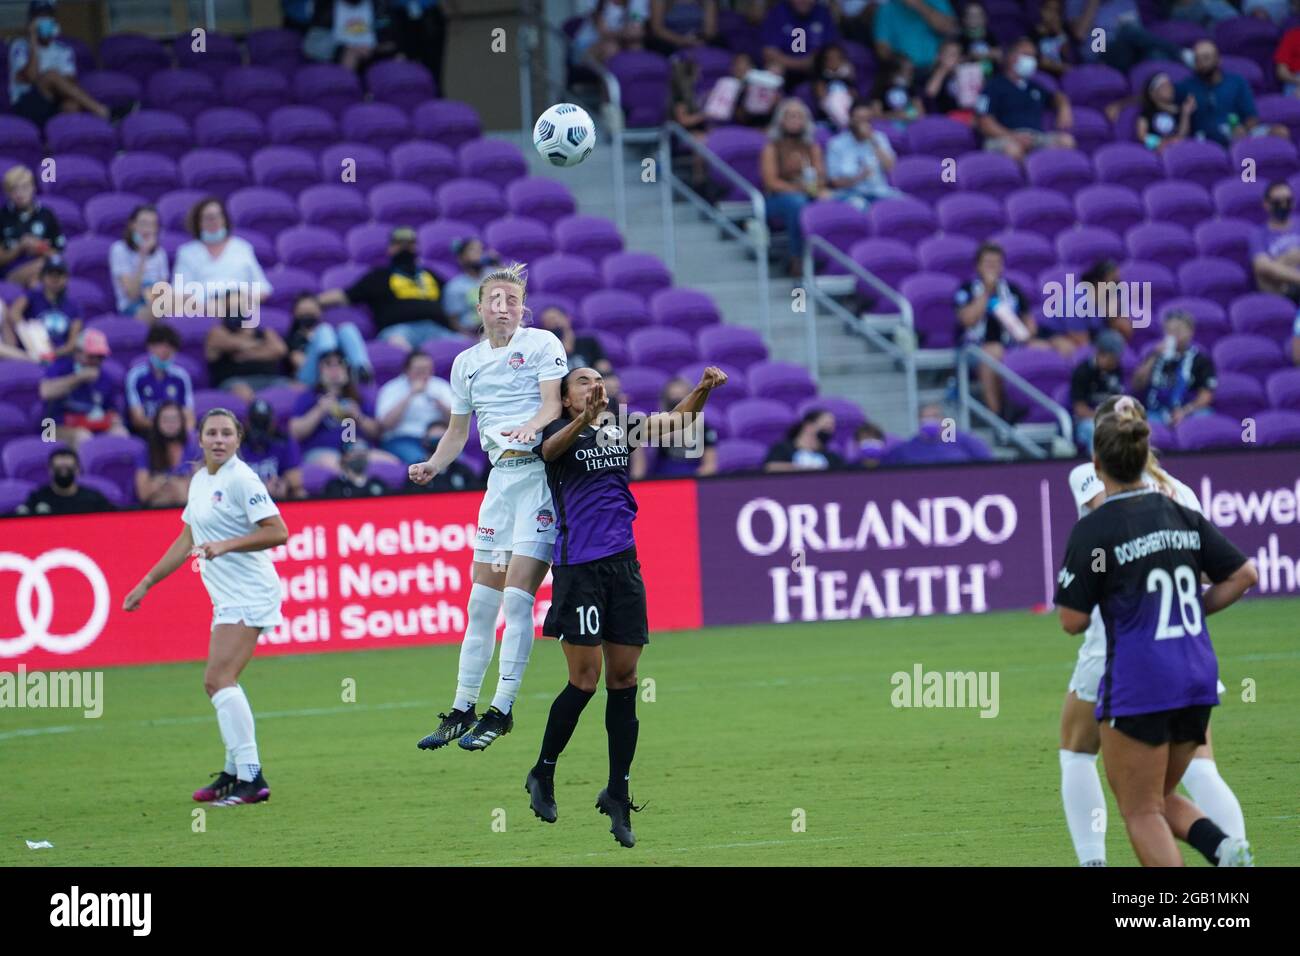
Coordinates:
(611,434)
(1065,578)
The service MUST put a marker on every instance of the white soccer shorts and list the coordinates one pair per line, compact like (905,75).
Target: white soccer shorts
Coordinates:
(263,618)
(517,515)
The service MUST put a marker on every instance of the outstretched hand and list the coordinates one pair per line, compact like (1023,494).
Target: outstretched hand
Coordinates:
(713,377)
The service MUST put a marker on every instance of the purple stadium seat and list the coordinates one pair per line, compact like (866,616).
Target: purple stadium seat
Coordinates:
(1083,246)
(921,177)
(591,237)
(543,199)
(519,238)
(724,345)
(401,203)
(1127,164)
(1249,354)
(1283,389)
(315,478)
(278,321)
(114,458)
(22,140)
(1219,280)
(1164,287)
(763,420)
(1095,85)
(1260,82)
(1238,395)
(1277,427)
(1179,201)
(183,92)
(13,493)
(27,458)
(782,381)
(14,422)
(665,349)
(269,211)
(87,256)
(20,383)
(306,127)
(740,454)
(150,175)
(156,131)
(1045,369)
(1162,437)
(906,219)
(1247,37)
(939,136)
(494,160)
(1237,200)
(947,253)
(259,89)
(83,134)
(1025,252)
(1091,129)
(1206,432)
(107,213)
(328,86)
(133,54)
(848,416)
(686,309)
(1200,162)
(277,48)
(562,274)
(115,90)
(386,360)
(1116,208)
(472,200)
(739,147)
(1064,170)
(1262,313)
(429,164)
(1043,211)
(336,207)
(614,311)
(380,124)
(642,77)
(643,385)
(641,273)
(341,276)
(117,497)
(930,295)
(197,367)
(289,283)
(1141,73)
(289,169)
(449,122)
(1164,242)
(1276,108)
(77,178)
(1179,32)
(220,53)
(369,165)
(215,171)
(991,174)
(1226,239)
(391,474)
(443,351)
(839,224)
(400,82)
(1274,158)
(310,248)
(175,205)
(206,399)
(436,238)
(722,399)
(89,296)
(340,315)
(1205,311)
(890,260)
(125,334)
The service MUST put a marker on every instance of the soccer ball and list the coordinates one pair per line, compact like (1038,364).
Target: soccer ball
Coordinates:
(565,134)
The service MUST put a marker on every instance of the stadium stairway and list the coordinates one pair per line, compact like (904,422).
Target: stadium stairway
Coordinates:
(709,261)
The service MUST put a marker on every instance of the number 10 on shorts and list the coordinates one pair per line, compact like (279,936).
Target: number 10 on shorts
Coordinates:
(588,620)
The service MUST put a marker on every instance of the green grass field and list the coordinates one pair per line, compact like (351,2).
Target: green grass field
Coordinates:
(747,726)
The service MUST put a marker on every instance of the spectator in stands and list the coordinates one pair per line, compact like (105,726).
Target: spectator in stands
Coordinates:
(420,29)
(63,495)
(355,480)
(334,413)
(613,27)
(806,446)
(1178,377)
(310,338)
(871,446)
(584,351)
(682,25)
(1127,41)
(856,20)
(1270,11)
(1163,121)
(1108,306)
(29,232)
(243,358)
(403,296)
(1287,62)
(162,478)
(1225,106)
(460,294)
(975,40)
(1275,246)
(353,37)
(789,53)
(215,262)
(1011,109)
(408,404)
(993,313)
(457,476)
(138,263)
(274,456)
(913,29)
(745,97)
(80,399)
(834,81)
(675,459)
(859,160)
(44,320)
(1206,13)
(792,171)
(894,97)
(944,88)
(158,379)
(44,85)
(1052,37)
(936,442)
(1094,380)
(297,14)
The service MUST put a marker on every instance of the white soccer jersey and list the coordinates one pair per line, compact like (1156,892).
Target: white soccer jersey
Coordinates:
(503,386)
(228,505)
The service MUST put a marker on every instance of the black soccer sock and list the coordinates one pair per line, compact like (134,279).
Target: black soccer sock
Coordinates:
(1206,836)
(622,726)
(563,720)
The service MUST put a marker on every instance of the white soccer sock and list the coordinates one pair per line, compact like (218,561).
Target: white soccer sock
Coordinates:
(1209,792)
(480,640)
(235,718)
(516,645)
(1085,805)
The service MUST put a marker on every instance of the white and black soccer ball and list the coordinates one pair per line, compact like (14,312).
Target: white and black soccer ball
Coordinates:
(565,134)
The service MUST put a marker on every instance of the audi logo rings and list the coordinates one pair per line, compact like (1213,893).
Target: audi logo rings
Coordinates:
(34,580)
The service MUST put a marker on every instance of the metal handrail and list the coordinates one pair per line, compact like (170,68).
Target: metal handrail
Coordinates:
(756,236)
(967,403)
(858,323)
(614,118)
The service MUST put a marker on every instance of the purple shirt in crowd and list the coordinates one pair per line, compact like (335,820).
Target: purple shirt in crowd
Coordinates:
(1275,242)
(147,389)
(329,433)
(273,459)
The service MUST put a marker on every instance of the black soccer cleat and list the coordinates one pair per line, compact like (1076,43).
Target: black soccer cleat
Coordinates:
(453,726)
(247,791)
(216,789)
(490,726)
(620,815)
(541,796)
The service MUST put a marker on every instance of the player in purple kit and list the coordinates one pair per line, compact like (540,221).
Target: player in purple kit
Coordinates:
(598,599)
(1140,557)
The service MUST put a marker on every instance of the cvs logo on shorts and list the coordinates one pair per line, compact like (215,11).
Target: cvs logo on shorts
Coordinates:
(487,532)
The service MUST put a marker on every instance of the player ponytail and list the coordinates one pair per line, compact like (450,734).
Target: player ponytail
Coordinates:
(1121,444)
(1126,406)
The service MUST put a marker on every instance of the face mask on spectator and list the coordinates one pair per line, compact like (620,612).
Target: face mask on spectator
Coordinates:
(825,435)
(215,236)
(404,261)
(1026,65)
(355,464)
(47,28)
(64,477)
(161,364)
(137,239)
(871,447)
(1281,209)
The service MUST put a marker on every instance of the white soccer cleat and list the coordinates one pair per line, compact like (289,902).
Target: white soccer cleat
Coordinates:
(1235,852)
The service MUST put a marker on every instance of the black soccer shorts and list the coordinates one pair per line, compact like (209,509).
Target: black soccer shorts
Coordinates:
(599,601)
(1182,725)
